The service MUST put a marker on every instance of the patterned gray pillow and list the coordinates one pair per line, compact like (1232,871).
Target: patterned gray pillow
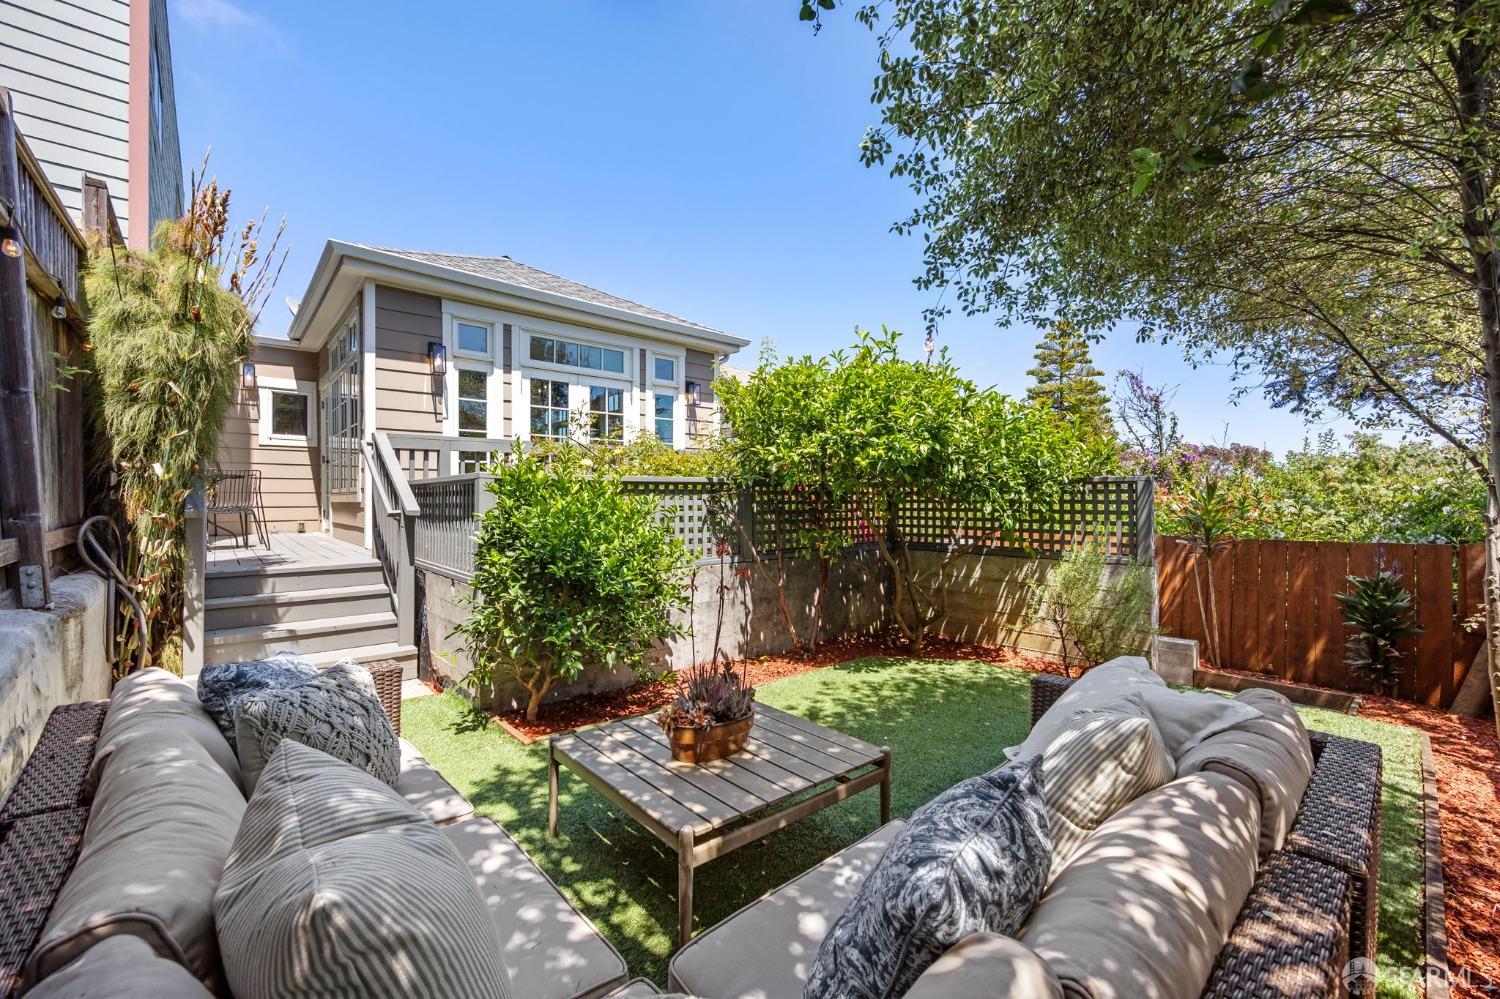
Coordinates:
(221,685)
(336,711)
(974,859)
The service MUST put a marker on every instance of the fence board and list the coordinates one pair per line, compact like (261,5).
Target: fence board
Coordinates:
(1435,606)
(1470,601)
(1273,605)
(1303,635)
(1241,645)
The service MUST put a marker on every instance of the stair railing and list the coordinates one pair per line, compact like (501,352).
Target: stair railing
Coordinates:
(394,511)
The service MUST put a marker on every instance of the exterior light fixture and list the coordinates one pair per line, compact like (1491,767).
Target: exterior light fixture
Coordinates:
(694,393)
(60,308)
(247,376)
(9,244)
(437,358)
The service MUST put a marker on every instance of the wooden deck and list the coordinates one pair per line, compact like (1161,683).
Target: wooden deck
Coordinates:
(290,551)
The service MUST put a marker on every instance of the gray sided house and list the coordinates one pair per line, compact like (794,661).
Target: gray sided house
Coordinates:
(403,366)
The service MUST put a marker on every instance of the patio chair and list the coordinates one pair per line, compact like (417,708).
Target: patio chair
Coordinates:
(235,492)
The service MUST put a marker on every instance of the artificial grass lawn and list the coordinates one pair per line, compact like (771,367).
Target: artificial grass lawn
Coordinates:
(944,720)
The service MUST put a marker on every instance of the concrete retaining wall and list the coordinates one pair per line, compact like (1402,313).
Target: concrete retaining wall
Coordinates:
(987,600)
(752,622)
(47,658)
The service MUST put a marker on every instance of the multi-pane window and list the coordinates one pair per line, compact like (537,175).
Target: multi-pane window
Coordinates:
(549,408)
(606,412)
(577,355)
(666,370)
(472,338)
(663,411)
(473,414)
(289,414)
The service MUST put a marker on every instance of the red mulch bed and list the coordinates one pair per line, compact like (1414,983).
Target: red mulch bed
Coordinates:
(1466,755)
(590,709)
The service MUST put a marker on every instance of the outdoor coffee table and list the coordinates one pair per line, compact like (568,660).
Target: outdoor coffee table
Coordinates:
(700,810)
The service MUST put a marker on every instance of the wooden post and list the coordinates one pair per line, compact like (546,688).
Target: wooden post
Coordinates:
(1145,520)
(193,580)
(20,437)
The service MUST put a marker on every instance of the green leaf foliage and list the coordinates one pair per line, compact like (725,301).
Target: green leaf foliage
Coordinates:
(1066,382)
(1379,612)
(570,574)
(1098,610)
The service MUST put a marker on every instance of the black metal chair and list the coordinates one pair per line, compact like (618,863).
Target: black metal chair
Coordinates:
(235,492)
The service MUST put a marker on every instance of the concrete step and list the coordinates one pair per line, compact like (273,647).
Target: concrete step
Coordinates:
(295,578)
(334,634)
(406,655)
(255,609)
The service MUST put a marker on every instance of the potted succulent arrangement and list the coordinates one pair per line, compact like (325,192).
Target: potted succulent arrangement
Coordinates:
(711,716)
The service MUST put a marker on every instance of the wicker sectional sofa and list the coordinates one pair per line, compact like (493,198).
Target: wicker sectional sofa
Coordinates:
(1289,927)
(546,943)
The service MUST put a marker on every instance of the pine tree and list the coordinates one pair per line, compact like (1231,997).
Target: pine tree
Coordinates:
(1066,381)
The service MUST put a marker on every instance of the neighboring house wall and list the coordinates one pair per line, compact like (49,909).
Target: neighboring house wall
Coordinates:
(67,66)
(409,399)
(93,92)
(289,471)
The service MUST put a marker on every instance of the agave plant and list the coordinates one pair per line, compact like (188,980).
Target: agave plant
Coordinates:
(709,695)
(1378,609)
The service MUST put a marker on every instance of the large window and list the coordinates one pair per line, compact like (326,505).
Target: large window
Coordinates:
(665,403)
(577,355)
(473,414)
(549,408)
(606,412)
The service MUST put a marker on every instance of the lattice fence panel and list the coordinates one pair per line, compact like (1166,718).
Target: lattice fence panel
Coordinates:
(698,511)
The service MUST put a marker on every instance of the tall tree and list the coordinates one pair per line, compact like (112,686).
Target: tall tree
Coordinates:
(1307,186)
(1065,380)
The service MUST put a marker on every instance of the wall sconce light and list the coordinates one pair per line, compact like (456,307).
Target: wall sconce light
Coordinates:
(694,393)
(60,308)
(437,358)
(247,376)
(10,245)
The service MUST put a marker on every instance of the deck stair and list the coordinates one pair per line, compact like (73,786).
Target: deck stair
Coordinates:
(319,597)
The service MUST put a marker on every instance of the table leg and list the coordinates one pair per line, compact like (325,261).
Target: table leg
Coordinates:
(551,791)
(684,886)
(885,785)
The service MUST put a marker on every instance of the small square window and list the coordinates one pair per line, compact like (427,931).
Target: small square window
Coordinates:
(472,337)
(289,414)
(666,370)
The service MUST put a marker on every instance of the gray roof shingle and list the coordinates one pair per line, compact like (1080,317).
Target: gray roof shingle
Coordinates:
(514,272)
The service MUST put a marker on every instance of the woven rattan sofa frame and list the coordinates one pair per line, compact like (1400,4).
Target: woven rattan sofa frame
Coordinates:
(1315,903)
(43,819)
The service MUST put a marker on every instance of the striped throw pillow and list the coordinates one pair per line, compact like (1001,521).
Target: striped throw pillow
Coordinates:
(335,886)
(1099,760)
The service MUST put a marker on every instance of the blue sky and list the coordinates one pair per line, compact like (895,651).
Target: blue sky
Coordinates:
(699,156)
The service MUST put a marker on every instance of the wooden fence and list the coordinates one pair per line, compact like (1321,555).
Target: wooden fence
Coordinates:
(42,441)
(1278,615)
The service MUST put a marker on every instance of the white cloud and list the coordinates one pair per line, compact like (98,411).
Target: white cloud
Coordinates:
(225,19)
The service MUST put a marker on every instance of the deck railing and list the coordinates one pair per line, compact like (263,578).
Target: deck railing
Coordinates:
(428,456)
(394,512)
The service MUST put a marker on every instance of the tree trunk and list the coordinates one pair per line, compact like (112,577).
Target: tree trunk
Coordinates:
(534,705)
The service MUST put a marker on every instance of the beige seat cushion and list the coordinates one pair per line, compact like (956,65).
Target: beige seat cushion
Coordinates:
(1099,761)
(1270,754)
(122,967)
(548,947)
(764,951)
(1144,907)
(337,887)
(987,966)
(428,791)
(157,837)
(154,706)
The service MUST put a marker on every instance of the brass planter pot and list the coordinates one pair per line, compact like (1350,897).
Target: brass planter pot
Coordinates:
(704,745)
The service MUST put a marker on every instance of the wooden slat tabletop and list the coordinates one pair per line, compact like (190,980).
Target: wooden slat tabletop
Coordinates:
(785,755)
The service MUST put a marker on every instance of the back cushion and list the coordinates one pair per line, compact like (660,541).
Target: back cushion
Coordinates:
(1147,902)
(122,967)
(1100,760)
(1269,753)
(336,887)
(156,707)
(157,836)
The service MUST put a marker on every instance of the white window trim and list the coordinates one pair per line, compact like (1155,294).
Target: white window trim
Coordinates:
(491,362)
(268,384)
(678,388)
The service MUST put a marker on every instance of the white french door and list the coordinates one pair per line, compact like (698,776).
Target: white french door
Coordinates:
(587,407)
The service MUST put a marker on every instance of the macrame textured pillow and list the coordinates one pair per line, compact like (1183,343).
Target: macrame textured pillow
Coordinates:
(220,686)
(336,711)
(972,860)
